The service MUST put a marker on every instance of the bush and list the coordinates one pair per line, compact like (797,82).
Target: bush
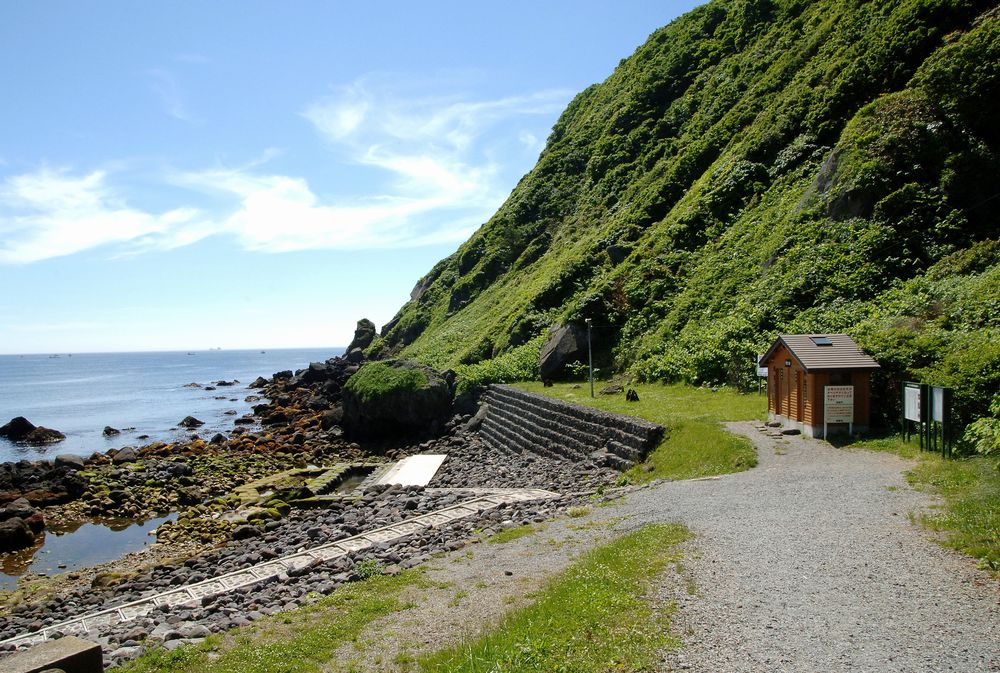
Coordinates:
(517,364)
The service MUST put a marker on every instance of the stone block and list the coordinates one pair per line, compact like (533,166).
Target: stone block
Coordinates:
(69,654)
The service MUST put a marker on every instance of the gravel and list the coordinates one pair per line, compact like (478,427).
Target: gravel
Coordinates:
(810,563)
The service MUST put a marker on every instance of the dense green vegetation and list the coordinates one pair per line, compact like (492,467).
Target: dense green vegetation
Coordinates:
(298,641)
(756,167)
(969,515)
(695,444)
(375,380)
(593,617)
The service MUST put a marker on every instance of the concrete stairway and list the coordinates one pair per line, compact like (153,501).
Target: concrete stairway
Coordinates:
(520,421)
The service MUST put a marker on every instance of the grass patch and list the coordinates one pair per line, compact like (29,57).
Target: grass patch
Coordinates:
(378,379)
(511,534)
(592,617)
(970,489)
(297,641)
(696,444)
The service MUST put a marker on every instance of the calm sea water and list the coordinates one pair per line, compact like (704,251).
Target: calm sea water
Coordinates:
(80,394)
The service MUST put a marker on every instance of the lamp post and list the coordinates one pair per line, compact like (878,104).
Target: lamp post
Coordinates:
(590,358)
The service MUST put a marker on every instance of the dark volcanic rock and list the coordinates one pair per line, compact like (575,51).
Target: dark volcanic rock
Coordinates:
(191,422)
(111,432)
(20,508)
(364,334)
(20,429)
(41,435)
(258,382)
(17,429)
(567,343)
(15,534)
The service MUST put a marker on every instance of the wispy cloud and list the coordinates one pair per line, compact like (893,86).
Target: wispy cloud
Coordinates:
(165,86)
(438,168)
(51,213)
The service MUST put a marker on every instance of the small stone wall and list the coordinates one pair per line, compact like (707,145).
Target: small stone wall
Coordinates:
(520,421)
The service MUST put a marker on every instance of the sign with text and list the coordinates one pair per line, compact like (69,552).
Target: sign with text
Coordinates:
(839,407)
(911,403)
(761,371)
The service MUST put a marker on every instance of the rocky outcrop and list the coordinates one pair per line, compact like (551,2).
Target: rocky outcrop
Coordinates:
(521,421)
(567,343)
(389,398)
(20,429)
(364,334)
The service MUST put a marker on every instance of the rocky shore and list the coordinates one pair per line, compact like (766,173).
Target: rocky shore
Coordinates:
(299,422)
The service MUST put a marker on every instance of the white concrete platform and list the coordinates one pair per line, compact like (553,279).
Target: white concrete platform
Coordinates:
(414,470)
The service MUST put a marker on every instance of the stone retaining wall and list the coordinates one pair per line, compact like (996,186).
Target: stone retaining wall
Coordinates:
(518,421)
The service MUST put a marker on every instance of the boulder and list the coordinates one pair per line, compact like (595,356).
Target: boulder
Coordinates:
(126,455)
(70,461)
(258,382)
(364,334)
(20,429)
(567,343)
(395,397)
(191,422)
(15,534)
(41,435)
(17,429)
(19,508)
(111,432)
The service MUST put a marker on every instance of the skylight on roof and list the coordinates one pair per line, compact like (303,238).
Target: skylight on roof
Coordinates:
(821,341)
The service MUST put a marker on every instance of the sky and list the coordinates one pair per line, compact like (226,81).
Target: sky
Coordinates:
(247,174)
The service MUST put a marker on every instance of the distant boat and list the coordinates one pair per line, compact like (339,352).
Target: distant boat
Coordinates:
(263,352)
(190,353)
(53,356)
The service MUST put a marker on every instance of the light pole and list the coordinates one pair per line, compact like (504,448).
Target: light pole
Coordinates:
(590,358)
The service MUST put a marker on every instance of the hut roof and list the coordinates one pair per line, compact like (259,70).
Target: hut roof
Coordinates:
(822,351)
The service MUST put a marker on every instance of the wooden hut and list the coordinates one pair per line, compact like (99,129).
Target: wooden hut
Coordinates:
(818,383)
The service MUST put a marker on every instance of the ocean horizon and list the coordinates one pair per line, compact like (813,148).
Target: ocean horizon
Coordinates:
(137,392)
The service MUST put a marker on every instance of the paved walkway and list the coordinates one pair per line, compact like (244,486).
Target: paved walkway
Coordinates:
(809,563)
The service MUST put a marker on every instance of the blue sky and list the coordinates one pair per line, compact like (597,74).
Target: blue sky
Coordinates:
(189,175)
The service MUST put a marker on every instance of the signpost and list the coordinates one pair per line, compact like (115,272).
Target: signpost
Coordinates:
(761,374)
(838,407)
(938,419)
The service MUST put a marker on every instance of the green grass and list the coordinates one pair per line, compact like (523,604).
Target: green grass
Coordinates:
(592,617)
(298,641)
(511,534)
(970,489)
(377,379)
(696,445)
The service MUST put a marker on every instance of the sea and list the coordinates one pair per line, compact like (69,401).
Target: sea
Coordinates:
(80,394)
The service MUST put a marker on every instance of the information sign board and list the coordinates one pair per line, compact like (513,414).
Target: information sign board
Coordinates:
(839,406)
(911,403)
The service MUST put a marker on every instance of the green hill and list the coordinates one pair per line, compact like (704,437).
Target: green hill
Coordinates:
(756,167)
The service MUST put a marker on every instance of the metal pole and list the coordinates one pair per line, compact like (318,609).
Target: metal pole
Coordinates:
(590,359)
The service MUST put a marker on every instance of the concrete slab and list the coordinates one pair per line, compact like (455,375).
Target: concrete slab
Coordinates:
(414,470)
(69,654)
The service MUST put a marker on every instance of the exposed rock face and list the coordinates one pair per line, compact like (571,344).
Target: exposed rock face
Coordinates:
(409,397)
(364,334)
(567,343)
(20,429)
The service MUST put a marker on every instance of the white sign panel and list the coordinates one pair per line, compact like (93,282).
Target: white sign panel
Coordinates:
(937,404)
(761,371)
(839,404)
(911,403)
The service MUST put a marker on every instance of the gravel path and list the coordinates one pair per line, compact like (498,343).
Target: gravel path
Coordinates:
(810,563)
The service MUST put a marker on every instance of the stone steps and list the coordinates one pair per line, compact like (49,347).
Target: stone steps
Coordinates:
(520,421)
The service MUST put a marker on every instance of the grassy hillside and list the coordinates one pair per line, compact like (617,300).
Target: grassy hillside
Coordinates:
(756,167)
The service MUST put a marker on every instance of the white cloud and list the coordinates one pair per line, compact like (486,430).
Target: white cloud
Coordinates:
(52,213)
(437,168)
